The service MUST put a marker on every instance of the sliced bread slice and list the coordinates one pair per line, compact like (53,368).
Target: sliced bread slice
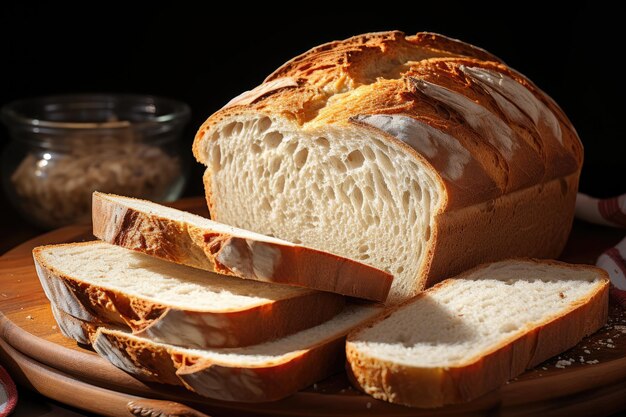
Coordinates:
(102,283)
(264,372)
(470,334)
(196,241)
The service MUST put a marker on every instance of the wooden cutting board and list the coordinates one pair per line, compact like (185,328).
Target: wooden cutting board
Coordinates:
(590,379)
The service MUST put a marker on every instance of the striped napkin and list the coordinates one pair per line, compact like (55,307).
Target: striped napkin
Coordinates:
(8,393)
(608,212)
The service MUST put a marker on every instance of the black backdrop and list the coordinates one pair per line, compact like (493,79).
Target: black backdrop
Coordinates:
(205,57)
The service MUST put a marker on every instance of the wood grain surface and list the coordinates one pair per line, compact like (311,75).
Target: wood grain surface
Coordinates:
(36,353)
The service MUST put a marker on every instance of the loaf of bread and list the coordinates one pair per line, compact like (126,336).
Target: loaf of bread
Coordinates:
(107,285)
(420,155)
(196,241)
(258,373)
(470,334)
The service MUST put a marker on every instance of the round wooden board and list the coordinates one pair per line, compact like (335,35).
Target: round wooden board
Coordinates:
(38,355)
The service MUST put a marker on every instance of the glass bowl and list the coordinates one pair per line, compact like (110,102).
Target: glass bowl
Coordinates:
(64,148)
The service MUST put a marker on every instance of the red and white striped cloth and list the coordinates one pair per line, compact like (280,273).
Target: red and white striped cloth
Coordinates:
(8,394)
(605,211)
(608,212)
(613,261)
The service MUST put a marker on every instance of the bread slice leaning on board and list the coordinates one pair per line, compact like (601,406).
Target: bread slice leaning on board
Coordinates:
(188,239)
(470,334)
(264,372)
(105,284)
(420,155)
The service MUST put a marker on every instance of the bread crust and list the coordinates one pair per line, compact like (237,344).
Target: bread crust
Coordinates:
(211,250)
(390,67)
(71,327)
(175,325)
(437,386)
(259,383)
(424,78)
(154,362)
(489,231)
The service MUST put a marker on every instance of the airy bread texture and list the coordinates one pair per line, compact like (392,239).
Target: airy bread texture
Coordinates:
(470,334)
(192,240)
(264,372)
(420,155)
(101,283)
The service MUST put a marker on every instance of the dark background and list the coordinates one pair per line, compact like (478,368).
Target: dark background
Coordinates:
(205,57)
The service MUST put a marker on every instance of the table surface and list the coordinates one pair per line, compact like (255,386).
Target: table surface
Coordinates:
(14,230)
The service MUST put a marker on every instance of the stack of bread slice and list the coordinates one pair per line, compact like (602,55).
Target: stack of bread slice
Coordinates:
(140,305)
(175,298)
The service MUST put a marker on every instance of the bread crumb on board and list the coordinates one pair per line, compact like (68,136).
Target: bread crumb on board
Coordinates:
(586,352)
(563,363)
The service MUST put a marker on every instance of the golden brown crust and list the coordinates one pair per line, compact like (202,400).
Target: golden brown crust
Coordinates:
(184,243)
(266,382)
(150,362)
(270,382)
(226,379)
(494,228)
(435,387)
(380,73)
(443,43)
(71,327)
(199,329)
